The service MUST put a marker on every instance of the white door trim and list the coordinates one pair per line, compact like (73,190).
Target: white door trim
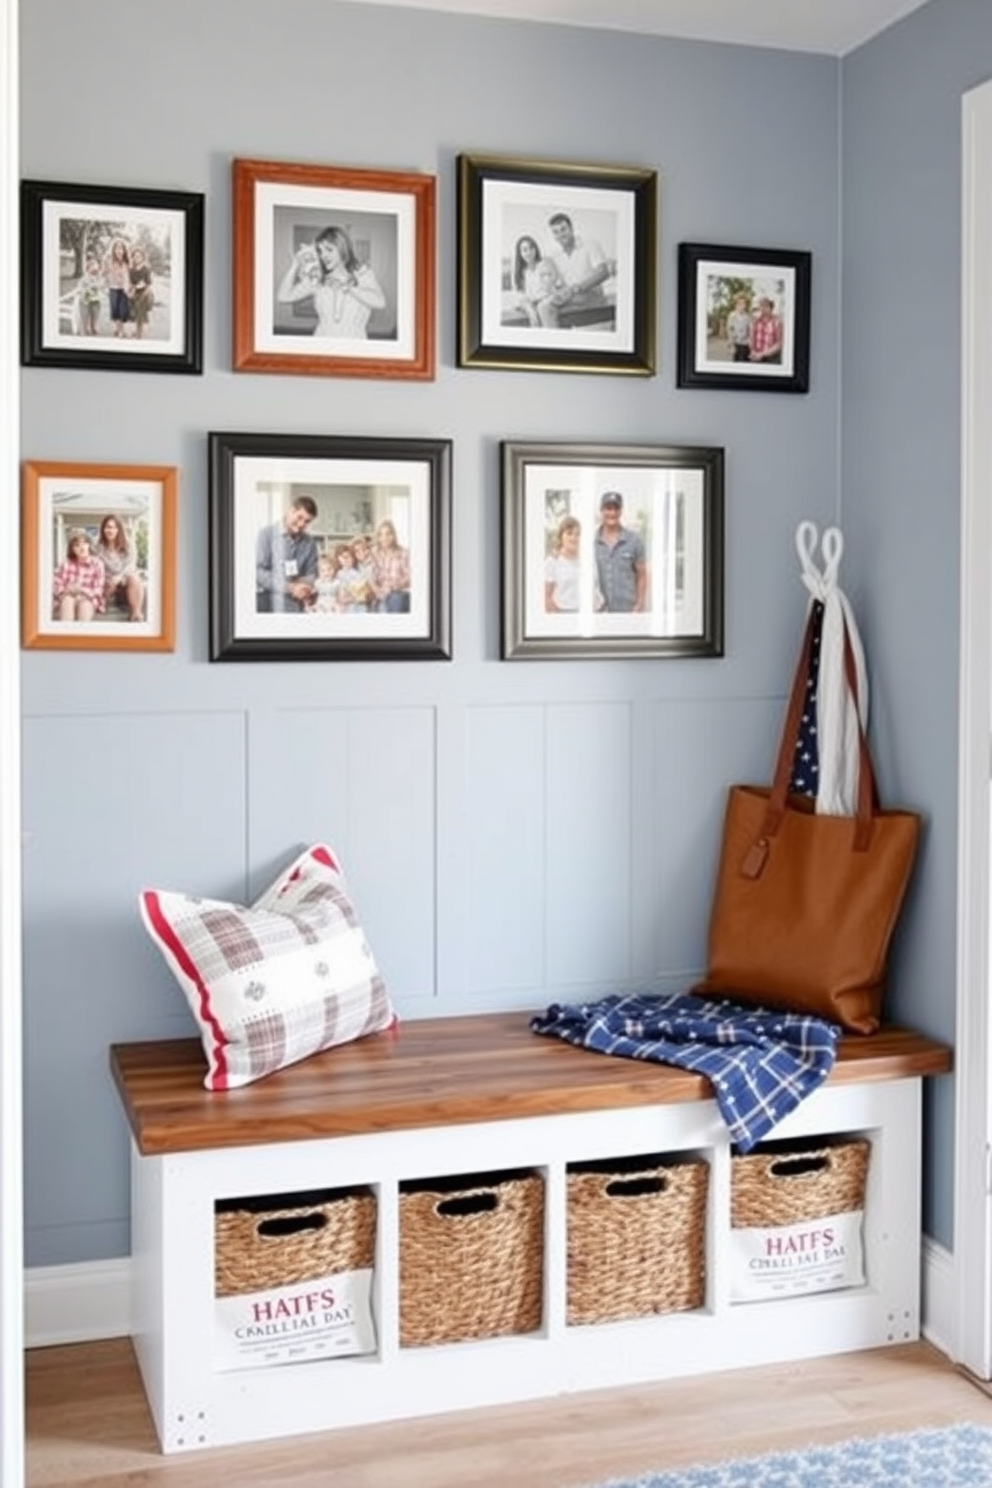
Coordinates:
(972,1215)
(11,1160)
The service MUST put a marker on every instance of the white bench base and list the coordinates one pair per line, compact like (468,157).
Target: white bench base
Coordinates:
(195,1406)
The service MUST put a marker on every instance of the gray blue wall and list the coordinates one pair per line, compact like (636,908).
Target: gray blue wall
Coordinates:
(514,833)
(901,420)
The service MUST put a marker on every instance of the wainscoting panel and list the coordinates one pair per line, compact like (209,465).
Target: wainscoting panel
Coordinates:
(505,848)
(363,780)
(112,803)
(590,792)
(698,751)
(548,866)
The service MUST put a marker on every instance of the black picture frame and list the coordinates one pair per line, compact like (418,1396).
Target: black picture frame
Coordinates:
(671,562)
(711,352)
(66,309)
(504,319)
(355,486)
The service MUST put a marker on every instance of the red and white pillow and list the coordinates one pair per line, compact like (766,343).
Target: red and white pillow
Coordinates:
(273,983)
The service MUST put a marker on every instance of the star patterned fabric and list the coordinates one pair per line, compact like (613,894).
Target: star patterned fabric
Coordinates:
(806,765)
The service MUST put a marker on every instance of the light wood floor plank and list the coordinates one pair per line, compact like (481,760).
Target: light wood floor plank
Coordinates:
(88,1427)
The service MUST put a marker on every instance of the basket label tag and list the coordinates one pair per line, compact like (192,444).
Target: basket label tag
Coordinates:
(320,1319)
(817,1255)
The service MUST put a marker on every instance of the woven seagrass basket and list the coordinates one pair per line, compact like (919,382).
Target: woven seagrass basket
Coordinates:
(636,1232)
(261,1244)
(471,1257)
(786,1184)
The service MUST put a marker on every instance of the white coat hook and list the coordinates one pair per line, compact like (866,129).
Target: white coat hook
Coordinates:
(832,548)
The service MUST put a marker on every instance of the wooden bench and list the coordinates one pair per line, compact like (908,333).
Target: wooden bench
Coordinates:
(443,1097)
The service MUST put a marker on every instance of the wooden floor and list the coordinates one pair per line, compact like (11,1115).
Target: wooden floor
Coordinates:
(88,1427)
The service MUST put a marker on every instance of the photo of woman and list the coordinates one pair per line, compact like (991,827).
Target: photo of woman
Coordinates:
(343,289)
(334,276)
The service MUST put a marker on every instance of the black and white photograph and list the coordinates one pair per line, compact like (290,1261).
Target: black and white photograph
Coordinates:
(744,318)
(325,283)
(556,266)
(329,548)
(333,271)
(113,278)
(558,270)
(612,550)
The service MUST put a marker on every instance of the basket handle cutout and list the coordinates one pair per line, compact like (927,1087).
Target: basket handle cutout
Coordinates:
(290,1224)
(636,1188)
(463,1204)
(795,1167)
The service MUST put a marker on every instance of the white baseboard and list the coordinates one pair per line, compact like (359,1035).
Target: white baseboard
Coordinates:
(75,1304)
(938,1303)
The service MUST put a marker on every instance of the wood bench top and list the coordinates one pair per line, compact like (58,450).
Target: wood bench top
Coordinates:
(433,1072)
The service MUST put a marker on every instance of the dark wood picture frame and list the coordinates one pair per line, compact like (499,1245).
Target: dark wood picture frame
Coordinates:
(334,271)
(72,313)
(744,318)
(611,550)
(583,223)
(270,597)
(62,500)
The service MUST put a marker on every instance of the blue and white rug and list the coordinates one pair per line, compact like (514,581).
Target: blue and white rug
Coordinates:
(940,1457)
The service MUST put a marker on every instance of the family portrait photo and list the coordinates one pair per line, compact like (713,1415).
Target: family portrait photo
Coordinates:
(553,276)
(612,551)
(99,557)
(556,265)
(335,548)
(333,271)
(112,278)
(743,318)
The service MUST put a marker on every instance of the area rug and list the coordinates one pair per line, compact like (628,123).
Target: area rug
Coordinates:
(939,1457)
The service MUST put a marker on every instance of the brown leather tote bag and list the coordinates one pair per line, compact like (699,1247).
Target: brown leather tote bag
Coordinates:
(805,905)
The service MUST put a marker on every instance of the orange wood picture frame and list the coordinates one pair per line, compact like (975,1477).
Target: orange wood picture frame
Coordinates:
(63,499)
(383,224)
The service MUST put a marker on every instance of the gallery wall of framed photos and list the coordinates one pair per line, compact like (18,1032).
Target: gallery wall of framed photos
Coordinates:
(333,274)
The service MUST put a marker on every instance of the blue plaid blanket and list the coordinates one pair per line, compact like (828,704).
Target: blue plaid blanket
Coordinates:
(760,1064)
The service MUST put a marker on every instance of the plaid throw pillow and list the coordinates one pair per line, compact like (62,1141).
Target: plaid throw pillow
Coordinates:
(275,983)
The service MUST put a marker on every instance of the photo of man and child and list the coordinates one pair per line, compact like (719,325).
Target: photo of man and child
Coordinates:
(611,550)
(616,581)
(609,556)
